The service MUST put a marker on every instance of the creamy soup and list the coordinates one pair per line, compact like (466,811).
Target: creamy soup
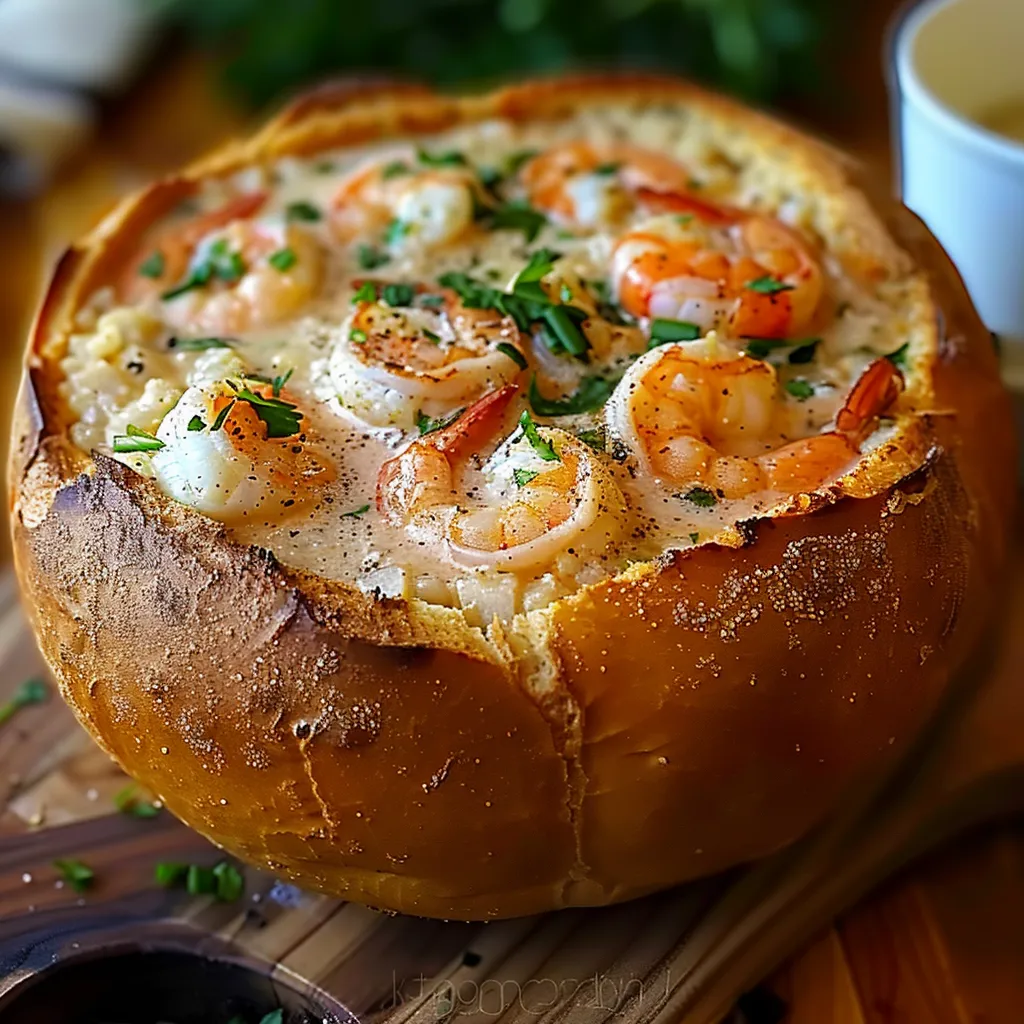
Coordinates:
(487,368)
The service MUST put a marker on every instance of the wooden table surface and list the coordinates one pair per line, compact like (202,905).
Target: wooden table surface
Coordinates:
(942,943)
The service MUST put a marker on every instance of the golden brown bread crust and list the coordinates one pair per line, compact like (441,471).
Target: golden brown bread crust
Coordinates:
(699,712)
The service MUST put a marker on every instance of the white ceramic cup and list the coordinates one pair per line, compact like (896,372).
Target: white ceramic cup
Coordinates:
(955,61)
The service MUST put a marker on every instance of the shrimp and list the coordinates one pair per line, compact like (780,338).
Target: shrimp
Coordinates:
(219,457)
(589,185)
(224,273)
(394,362)
(423,208)
(544,493)
(695,415)
(719,269)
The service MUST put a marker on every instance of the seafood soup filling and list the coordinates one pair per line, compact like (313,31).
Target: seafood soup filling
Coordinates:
(487,368)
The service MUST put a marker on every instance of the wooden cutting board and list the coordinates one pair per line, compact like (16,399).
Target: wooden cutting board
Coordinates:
(681,955)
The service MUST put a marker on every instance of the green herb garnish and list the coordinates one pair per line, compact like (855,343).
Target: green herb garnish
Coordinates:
(367,292)
(518,215)
(761,348)
(434,339)
(396,231)
(768,285)
(609,168)
(398,294)
(200,881)
(78,875)
(425,425)
(219,262)
(230,882)
(799,388)
(701,497)
(153,265)
(545,449)
(279,382)
(394,169)
(451,158)
(370,257)
(899,357)
(127,801)
(222,416)
(593,437)
(562,332)
(274,1017)
(513,353)
(591,394)
(196,423)
(523,476)
(356,512)
(663,332)
(303,211)
(198,344)
(169,873)
(804,351)
(283,259)
(357,336)
(431,300)
(694,537)
(32,691)
(136,440)
(281,418)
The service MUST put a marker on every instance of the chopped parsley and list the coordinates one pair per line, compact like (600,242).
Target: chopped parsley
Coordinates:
(565,293)
(899,357)
(523,476)
(804,352)
(32,691)
(198,344)
(663,332)
(78,875)
(280,417)
(274,1017)
(169,873)
(128,801)
(394,169)
(592,394)
(395,231)
(561,331)
(608,169)
(136,440)
(367,292)
(356,512)
(527,304)
(545,449)
(426,425)
(594,437)
(196,423)
(284,259)
(431,300)
(153,265)
(450,158)
(768,284)
(513,353)
(223,881)
(219,262)
(222,416)
(370,257)
(279,382)
(799,388)
(398,294)
(302,211)
(518,215)
(357,336)
(694,537)
(701,497)
(434,339)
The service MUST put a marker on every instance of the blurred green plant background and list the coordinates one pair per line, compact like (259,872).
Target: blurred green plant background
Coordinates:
(764,50)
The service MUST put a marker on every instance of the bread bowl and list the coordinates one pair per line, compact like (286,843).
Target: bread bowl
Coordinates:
(478,725)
